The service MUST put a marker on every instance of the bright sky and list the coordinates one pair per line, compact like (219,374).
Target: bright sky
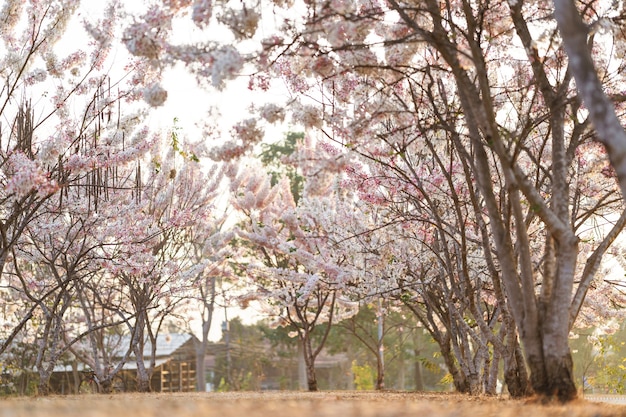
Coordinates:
(190,105)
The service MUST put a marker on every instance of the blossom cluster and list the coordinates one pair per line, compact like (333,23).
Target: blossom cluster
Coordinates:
(25,175)
(155,95)
(227,62)
(243,22)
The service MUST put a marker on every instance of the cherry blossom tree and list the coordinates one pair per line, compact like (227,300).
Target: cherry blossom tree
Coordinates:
(378,70)
(154,259)
(211,242)
(45,151)
(59,251)
(287,256)
(457,123)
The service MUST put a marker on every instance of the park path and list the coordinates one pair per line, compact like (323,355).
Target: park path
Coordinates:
(606,398)
(295,404)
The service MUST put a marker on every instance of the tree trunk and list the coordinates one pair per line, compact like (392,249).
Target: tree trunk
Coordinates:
(561,376)
(201,347)
(200,370)
(302,374)
(380,352)
(43,385)
(309,360)
(207,291)
(461,384)
(515,374)
(554,324)
(106,384)
(417,376)
(492,368)
(380,373)
(143,376)
(143,380)
(311,378)
(75,378)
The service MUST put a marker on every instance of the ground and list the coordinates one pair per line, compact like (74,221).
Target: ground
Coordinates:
(296,404)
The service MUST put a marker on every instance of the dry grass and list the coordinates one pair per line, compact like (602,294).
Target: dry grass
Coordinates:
(295,404)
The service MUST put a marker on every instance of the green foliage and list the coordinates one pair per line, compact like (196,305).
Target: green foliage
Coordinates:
(16,376)
(609,361)
(364,376)
(600,361)
(272,157)
(430,365)
(223,386)
(239,364)
(175,143)
(411,356)
(447,380)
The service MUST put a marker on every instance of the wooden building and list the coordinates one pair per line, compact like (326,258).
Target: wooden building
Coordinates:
(175,364)
(174,370)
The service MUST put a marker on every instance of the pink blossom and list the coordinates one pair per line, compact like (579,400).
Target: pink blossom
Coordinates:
(272,113)
(155,95)
(248,131)
(26,176)
(259,82)
(227,62)
(307,115)
(228,151)
(323,66)
(11,12)
(202,12)
(35,76)
(242,22)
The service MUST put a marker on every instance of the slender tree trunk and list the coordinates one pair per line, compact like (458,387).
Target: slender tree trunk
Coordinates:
(309,360)
(207,290)
(515,374)
(137,341)
(380,352)
(601,110)
(417,373)
(492,369)
(302,375)
(201,348)
(143,377)
(459,379)
(311,379)
(380,373)
(106,384)
(43,386)
(200,367)
(75,377)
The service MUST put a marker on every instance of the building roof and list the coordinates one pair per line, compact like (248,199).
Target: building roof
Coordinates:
(166,344)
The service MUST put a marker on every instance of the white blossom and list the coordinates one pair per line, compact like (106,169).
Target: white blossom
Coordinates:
(155,95)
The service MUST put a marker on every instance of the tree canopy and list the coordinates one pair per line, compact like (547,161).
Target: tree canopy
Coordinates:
(464,160)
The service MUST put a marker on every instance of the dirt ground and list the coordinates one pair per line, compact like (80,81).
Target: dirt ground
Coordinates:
(295,404)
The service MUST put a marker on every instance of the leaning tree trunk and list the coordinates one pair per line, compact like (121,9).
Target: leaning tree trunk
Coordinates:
(602,113)
(515,373)
(459,379)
